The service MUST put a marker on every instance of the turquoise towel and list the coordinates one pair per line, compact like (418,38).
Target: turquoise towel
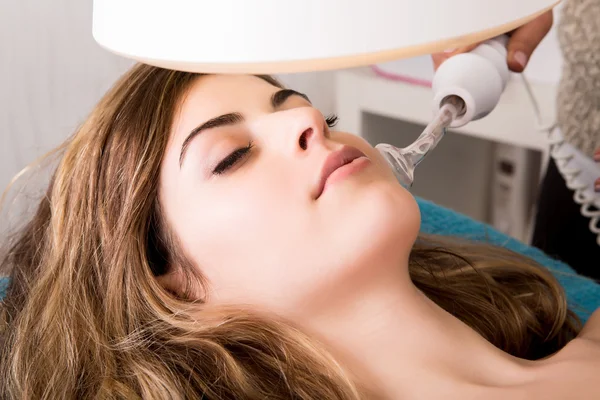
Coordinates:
(3,286)
(583,293)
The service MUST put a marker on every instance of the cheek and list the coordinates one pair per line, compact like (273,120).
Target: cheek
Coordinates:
(243,235)
(259,240)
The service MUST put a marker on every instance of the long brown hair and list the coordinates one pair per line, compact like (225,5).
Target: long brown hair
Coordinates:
(85,317)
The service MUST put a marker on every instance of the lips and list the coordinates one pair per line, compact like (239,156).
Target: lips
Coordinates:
(336,160)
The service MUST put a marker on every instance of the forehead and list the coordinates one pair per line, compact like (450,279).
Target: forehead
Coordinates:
(214,95)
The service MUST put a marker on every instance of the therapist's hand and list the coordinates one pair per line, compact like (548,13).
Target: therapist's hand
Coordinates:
(523,41)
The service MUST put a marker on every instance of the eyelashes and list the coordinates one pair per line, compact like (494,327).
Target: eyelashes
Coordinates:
(240,154)
(331,120)
(232,159)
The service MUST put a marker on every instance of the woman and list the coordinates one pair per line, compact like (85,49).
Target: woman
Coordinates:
(197,240)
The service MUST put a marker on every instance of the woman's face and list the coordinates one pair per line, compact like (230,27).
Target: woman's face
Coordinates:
(244,197)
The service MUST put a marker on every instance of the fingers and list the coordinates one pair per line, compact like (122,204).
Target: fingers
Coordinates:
(521,46)
(525,40)
(439,58)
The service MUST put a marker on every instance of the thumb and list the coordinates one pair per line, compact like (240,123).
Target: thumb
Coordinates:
(526,39)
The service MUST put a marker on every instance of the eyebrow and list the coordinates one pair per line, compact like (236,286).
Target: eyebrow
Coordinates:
(221,120)
(282,95)
(277,100)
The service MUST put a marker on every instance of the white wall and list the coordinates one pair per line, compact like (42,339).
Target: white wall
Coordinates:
(546,63)
(52,73)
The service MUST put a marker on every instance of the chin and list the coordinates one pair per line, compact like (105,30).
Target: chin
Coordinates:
(382,221)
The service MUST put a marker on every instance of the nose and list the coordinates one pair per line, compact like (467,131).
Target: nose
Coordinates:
(310,128)
(300,129)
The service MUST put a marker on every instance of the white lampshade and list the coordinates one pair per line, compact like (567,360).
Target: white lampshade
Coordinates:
(282,36)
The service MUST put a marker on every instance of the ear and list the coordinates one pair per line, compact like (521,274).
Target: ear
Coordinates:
(175,282)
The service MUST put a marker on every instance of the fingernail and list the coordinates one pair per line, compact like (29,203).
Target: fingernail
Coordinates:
(520,58)
(597,156)
(449,51)
(597,188)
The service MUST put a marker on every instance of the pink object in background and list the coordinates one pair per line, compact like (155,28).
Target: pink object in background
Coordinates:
(416,71)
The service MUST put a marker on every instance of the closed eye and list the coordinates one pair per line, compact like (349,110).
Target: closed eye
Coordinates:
(232,159)
(239,154)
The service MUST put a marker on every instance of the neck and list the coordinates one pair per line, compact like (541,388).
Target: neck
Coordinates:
(399,344)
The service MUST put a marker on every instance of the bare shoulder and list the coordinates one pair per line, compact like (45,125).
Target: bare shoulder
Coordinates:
(591,330)
(573,372)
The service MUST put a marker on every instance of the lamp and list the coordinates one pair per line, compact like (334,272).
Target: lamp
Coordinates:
(285,36)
